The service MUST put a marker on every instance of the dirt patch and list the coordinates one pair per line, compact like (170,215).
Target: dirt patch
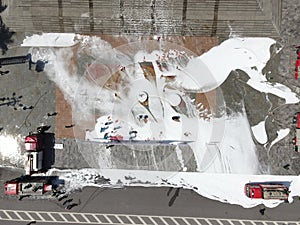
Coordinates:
(198,45)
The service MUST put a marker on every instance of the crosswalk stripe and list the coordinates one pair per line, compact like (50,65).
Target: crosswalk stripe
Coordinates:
(107,218)
(194,219)
(96,218)
(219,221)
(174,220)
(6,214)
(121,219)
(141,219)
(163,220)
(29,216)
(18,215)
(207,221)
(130,220)
(152,220)
(185,220)
(86,219)
(38,214)
(72,215)
(49,214)
(63,217)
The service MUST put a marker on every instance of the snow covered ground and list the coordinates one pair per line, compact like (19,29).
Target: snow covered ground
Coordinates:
(152,107)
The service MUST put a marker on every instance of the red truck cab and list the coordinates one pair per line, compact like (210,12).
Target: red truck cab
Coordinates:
(11,188)
(34,142)
(33,153)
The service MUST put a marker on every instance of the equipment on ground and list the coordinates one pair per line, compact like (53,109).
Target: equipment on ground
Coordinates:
(40,65)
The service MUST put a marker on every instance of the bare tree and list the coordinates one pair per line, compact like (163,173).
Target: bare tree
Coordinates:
(5,33)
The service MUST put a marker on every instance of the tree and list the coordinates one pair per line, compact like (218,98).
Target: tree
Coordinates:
(2,7)
(5,33)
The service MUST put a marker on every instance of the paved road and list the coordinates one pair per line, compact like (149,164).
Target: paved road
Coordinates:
(144,206)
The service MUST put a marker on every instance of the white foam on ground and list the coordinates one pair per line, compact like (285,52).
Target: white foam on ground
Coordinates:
(259,132)
(50,40)
(222,145)
(227,188)
(10,151)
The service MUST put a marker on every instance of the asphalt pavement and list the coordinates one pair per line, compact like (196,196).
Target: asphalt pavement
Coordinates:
(157,202)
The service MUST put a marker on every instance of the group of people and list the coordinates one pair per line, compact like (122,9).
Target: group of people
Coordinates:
(68,202)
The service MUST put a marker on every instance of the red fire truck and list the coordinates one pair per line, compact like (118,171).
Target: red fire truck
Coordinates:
(33,153)
(266,190)
(28,185)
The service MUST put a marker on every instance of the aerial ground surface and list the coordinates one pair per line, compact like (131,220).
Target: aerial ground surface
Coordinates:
(39,90)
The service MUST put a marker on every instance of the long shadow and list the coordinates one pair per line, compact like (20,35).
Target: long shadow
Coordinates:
(5,33)
(48,152)
(172,200)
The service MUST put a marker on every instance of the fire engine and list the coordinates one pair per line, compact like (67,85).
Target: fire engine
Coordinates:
(33,153)
(267,190)
(28,185)
(297,63)
(37,149)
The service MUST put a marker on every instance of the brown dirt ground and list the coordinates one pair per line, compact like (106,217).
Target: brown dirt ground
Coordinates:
(198,45)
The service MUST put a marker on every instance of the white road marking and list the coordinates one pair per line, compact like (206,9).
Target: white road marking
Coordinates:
(7,215)
(96,218)
(196,221)
(107,218)
(39,215)
(62,215)
(164,219)
(208,222)
(72,215)
(185,220)
(49,214)
(29,216)
(119,219)
(86,219)
(130,220)
(230,222)
(174,220)
(219,221)
(17,214)
(152,220)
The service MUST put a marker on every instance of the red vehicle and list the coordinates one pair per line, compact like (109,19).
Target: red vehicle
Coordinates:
(116,138)
(296,140)
(33,153)
(267,191)
(34,142)
(297,63)
(27,185)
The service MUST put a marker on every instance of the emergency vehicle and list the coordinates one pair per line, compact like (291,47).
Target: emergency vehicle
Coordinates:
(28,185)
(266,190)
(297,63)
